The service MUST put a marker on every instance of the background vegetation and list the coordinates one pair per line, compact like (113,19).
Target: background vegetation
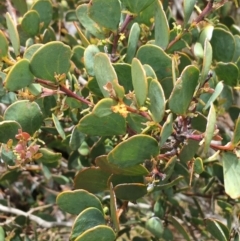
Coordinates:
(119,120)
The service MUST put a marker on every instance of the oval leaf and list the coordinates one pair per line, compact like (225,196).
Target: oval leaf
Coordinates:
(137,170)
(8,130)
(76,201)
(183,91)
(87,22)
(132,42)
(13,34)
(222,51)
(130,192)
(231,172)
(51,59)
(157,59)
(30,22)
(157,100)
(91,179)
(162,32)
(19,76)
(211,121)
(105,13)
(133,151)
(113,124)
(26,113)
(87,219)
(100,232)
(104,72)
(139,81)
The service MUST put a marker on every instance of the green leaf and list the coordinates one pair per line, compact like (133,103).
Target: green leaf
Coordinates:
(237,48)
(123,72)
(58,126)
(136,122)
(198,50)
(2,234)
(215,95)
(100,233)
(139,81)
(206,34)
(103,107)
(44,9)
(104,72)
(91,179)
(149,71)
(188,151)
(157,100)
(3,45)
(211,122)
(26,113)
(162,31)
(137,6)
(222,51)
(137,170)
(77,57)
(180,228)
(8,130)
(166,130)
(87,219)
(51,59)
(31,50)
(207,61)
(19,76)
(13,34)
(133,151)
(77,138)
(131,191)
(87,22)
(155,226)
(199,122)
(132,42)
(228,72)
(89,55)
(183,91)
(113,124)
(30,23)
(157,59)
(49,157)
(76,201)
(217,229)
(236,136)
(231,172)
(113,209)
(106,13)
(188,6)
(198,165)
(167,185)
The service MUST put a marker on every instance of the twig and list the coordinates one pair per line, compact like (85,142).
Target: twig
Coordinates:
(38,220)
(205,12)
(127,20)
(67,91)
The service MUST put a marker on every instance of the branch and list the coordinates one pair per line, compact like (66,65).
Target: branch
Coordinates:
(205,11)
(127,20)
(39,221)
(64,89)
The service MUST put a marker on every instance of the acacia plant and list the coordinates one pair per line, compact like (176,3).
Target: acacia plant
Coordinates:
(119,120)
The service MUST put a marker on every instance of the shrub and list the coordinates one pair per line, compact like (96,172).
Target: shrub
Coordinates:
(125,114)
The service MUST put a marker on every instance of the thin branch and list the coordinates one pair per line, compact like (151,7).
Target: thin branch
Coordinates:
(205,12)
(127,20)
(38,220)
(67,91)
